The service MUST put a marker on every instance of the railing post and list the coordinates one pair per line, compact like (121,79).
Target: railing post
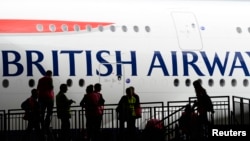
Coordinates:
(241,111)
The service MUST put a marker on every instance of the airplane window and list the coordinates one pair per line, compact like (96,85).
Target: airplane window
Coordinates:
(124,28)
(245,82)
(81,82)
(39,27)
(210,82)
(5,83)
(89,28)
(64,27)
(52,27)
(188,82)
(222,82)
(136,28)
(234,82)
(31,82)
(77,27)
(112,28)
(248,29)
(238,29)
(176,82)
(100,27)
(147,28)
(69,82)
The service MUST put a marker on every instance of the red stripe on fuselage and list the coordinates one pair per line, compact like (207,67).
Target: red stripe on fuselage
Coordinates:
(30,26)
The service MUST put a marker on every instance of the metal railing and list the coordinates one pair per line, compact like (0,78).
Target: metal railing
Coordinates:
(221,115)
(12,121)
(15,124)
(2,124)
(241,111)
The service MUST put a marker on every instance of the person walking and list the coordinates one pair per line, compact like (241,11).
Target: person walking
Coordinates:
(126,113)
(63,112)
(204,105)
(46,99)
(93,102)
(84,104)
(32,114)
(138,109)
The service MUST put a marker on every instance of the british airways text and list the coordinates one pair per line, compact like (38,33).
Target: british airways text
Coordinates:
(15,63)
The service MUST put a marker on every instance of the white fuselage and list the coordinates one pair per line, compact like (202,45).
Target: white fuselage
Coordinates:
(160,47)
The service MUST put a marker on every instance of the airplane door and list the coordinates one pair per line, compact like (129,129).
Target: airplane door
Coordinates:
(187,30)
(113,85)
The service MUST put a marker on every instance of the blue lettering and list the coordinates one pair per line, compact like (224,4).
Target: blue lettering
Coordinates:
(216,61)
(104,62)
(30,62)
(157,55)
(239,57)
(192,62)
(89,63)
(55,63)
(120,62)
(174,63)
(72,60)
(14,62)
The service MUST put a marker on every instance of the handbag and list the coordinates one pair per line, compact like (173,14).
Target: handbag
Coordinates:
(138,111)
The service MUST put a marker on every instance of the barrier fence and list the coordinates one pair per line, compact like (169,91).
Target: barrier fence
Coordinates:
(12,123)
(241,110)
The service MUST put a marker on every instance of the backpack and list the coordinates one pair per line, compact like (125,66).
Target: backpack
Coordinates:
(26,106)
(208,103)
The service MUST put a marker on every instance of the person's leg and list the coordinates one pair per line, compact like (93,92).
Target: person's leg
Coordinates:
(42,113)
(89,124)
(97,127)
(65,129)
(27,132)
(121,135)
(49,106)
(131,128)
(38,130)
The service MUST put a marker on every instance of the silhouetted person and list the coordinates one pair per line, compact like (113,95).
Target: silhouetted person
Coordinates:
(46,99)
(32,113)
(63,112)
(137,104)
(84,104)
(154,131)
(126,113)
(189,124)
(93,102)
(204,105)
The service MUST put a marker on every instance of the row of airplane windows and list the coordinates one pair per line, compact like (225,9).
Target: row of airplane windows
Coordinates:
(89,28)
(176,82)
(210,82)
(240,30)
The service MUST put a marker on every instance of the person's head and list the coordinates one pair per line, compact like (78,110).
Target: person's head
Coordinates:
(63,88)
(48,73)
(199,90)
(98,87)
(34,93)
(129,92)
(132,89)
(197,84)
(89,89)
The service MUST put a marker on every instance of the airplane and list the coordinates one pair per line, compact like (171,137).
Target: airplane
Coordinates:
(158,46)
